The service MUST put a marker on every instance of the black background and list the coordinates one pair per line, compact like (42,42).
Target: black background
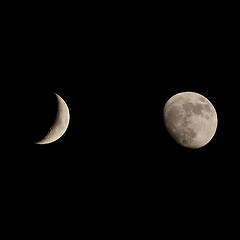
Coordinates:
(116,68)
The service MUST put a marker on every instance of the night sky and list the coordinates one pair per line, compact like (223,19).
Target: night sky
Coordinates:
(116,74)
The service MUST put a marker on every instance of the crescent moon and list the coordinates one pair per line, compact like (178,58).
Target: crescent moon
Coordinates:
(60,124)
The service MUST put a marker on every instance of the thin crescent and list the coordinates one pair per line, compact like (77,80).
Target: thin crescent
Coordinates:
(60,124)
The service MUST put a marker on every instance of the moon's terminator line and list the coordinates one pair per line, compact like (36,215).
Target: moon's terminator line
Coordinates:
(190,119)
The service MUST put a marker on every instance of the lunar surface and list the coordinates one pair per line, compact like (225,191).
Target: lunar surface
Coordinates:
(190,119)
(60,124)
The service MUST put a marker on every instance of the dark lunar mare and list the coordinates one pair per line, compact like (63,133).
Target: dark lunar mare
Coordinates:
(184,119)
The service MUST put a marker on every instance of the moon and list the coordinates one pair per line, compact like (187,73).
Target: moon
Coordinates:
(190,119)
(60,124)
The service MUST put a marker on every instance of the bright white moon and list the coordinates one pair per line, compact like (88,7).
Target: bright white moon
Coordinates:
(190,119)
(60,125)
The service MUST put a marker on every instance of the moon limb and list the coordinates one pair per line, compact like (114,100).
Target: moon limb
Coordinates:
(60,124)
(190,119)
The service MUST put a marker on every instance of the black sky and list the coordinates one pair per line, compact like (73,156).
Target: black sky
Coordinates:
(116,72)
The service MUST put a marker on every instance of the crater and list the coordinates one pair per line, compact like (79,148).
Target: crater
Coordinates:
(202,99)
(174,115)
(185,136)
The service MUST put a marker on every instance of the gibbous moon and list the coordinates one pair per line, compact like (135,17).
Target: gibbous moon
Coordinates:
(190,119)
(60,124)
